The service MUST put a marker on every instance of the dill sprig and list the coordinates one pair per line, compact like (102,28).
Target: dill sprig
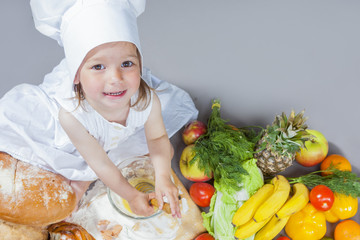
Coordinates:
(344,182)
(222,149)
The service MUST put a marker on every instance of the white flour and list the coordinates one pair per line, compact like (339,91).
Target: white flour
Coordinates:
(97,214)
(7,182)
(96,207)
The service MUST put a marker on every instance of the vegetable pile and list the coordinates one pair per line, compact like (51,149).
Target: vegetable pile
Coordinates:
(243,206)
(222,150)
(228,154)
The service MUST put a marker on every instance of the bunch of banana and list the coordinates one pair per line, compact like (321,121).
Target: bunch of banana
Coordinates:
(260,207)
(271,205)
(295,203)
(247,210)
(269,209)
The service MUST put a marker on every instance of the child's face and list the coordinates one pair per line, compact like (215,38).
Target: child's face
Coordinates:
(110,75)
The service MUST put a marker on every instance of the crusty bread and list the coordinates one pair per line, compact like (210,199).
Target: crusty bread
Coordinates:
(12,231)
(33,196)
(69,231)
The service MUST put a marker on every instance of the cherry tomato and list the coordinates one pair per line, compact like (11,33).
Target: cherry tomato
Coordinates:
(283,238)
(321,197)
(204,236)
(201,193)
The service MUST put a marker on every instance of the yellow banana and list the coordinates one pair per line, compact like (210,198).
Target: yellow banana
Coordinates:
(297,202)
(272,228)
(248,229)
(247,210)
(276,199)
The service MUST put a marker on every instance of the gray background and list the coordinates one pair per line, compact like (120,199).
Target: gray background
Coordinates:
(258,57)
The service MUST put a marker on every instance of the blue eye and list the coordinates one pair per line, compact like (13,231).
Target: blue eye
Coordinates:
(127,64)
(98,67)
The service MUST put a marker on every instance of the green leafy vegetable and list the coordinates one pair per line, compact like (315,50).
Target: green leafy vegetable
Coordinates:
(223,148)
(344,182)
(225,202)
(227,152)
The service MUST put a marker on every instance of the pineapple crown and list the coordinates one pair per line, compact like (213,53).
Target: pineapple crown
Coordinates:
(286,135)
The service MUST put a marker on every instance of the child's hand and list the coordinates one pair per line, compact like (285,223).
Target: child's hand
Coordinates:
(140,204)
(165,187)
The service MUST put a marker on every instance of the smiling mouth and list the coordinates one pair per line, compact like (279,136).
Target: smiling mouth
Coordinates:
(120,93)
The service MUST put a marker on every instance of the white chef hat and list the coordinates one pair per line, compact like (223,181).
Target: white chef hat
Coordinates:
(81,25)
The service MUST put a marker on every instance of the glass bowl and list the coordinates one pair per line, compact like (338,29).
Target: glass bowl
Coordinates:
(140,174)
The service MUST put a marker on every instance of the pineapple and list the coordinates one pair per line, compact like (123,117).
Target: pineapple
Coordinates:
(276,149)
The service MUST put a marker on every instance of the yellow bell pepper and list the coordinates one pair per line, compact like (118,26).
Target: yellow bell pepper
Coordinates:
(344,207)
(331,217)
(309,224)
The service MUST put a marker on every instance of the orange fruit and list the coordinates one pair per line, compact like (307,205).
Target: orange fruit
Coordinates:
(337,161)
(347,230)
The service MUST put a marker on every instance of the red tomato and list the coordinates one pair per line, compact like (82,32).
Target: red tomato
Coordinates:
(204,236)
(201,193)
(321,197)
(283,238)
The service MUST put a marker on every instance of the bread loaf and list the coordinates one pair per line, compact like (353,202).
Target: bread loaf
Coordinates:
(69,231)
(33,196)
(12,231)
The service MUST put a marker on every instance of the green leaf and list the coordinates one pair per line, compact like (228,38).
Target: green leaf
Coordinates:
(222,149)
(344,182)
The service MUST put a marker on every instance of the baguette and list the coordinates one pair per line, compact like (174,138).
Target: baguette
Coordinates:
(33,196)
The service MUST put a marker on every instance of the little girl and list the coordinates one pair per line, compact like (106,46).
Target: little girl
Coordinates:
(99,106)
(109,80)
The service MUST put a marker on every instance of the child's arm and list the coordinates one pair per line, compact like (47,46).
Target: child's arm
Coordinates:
(161,153)
(104,168)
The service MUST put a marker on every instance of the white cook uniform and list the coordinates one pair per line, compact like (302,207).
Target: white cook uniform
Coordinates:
(30,130)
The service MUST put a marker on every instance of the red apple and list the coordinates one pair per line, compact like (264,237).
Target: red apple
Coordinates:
(191,172)
(193,131)
(204,236)
(315,150)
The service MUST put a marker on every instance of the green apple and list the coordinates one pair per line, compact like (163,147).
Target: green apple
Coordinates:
(315,150)
(191,172)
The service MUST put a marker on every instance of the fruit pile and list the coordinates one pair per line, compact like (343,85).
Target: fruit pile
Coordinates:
(301,206)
